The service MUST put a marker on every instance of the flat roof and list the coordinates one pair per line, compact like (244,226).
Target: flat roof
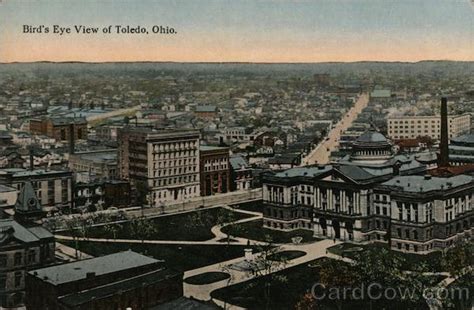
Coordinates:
(75,271)
(417,183)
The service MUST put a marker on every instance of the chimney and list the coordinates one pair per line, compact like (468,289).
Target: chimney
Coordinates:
(32,160)
(71,138)
(443,160)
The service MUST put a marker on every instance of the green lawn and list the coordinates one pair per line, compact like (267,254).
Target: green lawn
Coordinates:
(432,260)
(254,230)
(190,226)
(179,257)
(255,206)
(289,287)
(286,255)
(207,278)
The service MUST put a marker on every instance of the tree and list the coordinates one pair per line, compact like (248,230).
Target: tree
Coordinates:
(224,217)
(265,266)
(112,229)
(336,274)
(307,302)
(142,228)
(72,225)
(457,259)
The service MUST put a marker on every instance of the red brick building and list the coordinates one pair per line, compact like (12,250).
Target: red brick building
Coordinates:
(214,169)
(60,128)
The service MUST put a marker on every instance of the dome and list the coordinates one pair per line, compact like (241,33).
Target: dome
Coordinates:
(372,137)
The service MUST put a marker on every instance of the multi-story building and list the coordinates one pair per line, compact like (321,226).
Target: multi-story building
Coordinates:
(124,280)
(411,127)
(163,162)
(102,164)
(461,150)
(423,213)
(52,187)
(241,173)
(60,128)
(22,247)
(372,195)
(215,170)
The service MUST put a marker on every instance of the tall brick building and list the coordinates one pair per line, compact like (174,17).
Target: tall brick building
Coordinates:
(215,170)
(60,128)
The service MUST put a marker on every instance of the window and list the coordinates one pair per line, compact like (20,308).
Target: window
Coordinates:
(31,256)
(18,258)
(3,260)
(3,282)
(18,278)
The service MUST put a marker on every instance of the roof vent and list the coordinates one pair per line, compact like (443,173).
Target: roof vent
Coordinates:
(427,177)
(320,167)
(90,275)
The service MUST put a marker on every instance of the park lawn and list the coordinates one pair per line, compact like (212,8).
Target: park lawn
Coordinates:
(178,257)
(254,230)
(432,260)
(254,206)
(291,284)
(189,226)
(207,278)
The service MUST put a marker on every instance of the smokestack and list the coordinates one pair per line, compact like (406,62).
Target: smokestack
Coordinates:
(71,139)
(444,139)
(32,160)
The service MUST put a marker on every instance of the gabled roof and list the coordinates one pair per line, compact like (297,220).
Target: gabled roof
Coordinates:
(11,228)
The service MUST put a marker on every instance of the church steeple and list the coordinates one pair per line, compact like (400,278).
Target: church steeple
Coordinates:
(27,206)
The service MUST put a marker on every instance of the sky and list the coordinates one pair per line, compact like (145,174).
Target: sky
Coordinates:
(241,30)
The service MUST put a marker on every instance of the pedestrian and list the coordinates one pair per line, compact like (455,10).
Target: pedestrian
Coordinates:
(334,239)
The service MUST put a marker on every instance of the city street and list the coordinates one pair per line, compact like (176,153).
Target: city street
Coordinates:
(320,155)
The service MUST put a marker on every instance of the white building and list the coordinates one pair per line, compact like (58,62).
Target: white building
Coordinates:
(411,127)
(165,162)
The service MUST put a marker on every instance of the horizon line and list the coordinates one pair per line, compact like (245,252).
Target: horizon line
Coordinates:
(229,62)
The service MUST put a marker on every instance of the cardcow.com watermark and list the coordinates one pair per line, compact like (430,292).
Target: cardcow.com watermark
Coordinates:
(376,291)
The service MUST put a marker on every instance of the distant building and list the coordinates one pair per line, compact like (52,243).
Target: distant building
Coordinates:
(241,173)
(8,196)
(59,128)
(52,187)
(102,164)
(411,127)
(214,169)
(461,150)
(164,163)
(106,193)
(206,111)
(117,281)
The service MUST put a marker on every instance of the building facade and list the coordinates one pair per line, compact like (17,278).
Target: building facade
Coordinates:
(372,195)
(60,128)
(52,187)
(21,249)
(214,169)
(411,127)
(116,281)
(164,163)
(424,213)
(101,164)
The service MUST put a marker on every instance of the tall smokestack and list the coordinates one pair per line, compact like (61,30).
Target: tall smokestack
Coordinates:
(71,139)
(443,145)
(32,160)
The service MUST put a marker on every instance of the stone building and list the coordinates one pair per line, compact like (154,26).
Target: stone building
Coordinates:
(102,164)
(52,187)
(22,247)
(359,198)
(214,169)
(423,213)
(162,163)
(60,128)
(116,281)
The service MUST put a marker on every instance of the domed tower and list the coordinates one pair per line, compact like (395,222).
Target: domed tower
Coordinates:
(371,147)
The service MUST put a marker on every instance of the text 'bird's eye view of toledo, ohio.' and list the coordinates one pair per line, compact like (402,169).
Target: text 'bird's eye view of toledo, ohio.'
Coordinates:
(237,154)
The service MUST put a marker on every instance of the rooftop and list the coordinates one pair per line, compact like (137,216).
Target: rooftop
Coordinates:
(78,270)
(417,183)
